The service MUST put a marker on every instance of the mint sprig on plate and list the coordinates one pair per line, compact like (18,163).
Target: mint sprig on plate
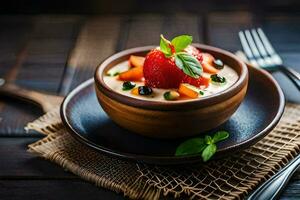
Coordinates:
(206,146)
(184,61)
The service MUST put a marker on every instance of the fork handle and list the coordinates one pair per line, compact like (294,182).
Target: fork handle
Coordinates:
(274,186)
(292,74)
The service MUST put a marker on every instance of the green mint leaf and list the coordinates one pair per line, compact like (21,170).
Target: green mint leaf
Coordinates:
(178,62)
(208,139)
(188,64)
(191,146)
(181,42)
(208,152)
(219,136)
(165,46)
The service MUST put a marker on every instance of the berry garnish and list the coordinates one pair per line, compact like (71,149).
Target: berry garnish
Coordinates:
(145,90)
(171,95)
(128,85)
(217,79)
(218,64)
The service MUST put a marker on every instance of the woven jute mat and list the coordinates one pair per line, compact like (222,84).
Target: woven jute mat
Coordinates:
(229,178)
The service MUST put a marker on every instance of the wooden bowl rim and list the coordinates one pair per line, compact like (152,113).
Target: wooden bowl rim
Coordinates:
(171,105)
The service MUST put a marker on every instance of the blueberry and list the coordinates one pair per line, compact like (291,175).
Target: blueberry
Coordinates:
(217,78)
(218,64)
(127,85)
(145,90)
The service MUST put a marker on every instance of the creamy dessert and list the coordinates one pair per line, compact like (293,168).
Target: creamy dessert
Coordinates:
(172,72)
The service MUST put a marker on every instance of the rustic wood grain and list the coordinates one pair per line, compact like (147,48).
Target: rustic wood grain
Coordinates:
(53,190)
(38,47)
(179,24)
(283,31)
(292,190)
(17,163)
(96,41)
(144,30)
(223,28)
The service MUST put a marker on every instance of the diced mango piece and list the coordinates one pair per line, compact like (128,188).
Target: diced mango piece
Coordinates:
(188,90)
(135,91)
(133,74)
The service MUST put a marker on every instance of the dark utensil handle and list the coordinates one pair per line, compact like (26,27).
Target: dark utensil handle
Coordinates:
(45,101)
(272,188)
(292,74)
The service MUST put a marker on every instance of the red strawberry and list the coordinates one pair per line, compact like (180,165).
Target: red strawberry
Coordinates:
(196,81)
(160,71)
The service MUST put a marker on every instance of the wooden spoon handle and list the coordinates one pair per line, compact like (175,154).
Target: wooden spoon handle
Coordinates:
(45,101)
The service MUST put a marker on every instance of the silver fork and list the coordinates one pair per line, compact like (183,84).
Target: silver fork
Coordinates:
(260,53)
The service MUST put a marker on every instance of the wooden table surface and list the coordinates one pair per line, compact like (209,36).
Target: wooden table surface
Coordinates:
(54,54)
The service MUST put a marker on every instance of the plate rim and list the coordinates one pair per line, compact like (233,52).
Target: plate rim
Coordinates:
(170,159)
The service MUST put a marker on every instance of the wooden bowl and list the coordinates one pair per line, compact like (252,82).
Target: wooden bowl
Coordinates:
(171,119)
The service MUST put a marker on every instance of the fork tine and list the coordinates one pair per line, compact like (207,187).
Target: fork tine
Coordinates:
(259,44)
(247,49)
(266,42)
(245,45)
(268,46)
(251,43)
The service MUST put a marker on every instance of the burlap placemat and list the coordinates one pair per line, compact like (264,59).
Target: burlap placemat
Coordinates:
(230,178)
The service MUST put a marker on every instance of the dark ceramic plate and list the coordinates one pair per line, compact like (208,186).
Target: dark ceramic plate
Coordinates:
(257,115)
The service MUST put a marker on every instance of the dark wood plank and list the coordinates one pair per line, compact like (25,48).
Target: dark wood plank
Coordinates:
(180,24)
(14,33)
(283,31)
(47,51)
(14,115)
(54,189)
(41,45)
(143,30)
(17,163)
(292,190)
(96,41)
(56,26)
(223,28)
